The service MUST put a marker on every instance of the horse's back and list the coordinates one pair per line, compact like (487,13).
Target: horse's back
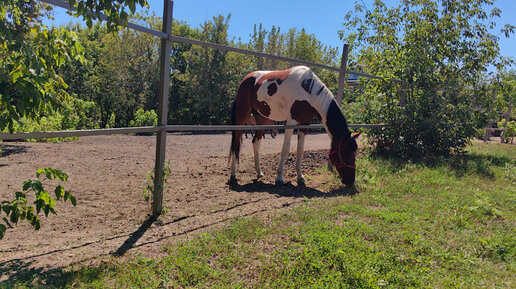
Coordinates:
(272,93)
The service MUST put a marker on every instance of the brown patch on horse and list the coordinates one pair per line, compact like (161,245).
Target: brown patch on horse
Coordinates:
(264,108)
(303,112)
(279,76)
(271,89)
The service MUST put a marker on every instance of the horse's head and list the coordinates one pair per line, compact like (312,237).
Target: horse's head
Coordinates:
(342,155)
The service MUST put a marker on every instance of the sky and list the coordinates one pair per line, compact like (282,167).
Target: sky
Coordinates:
(323,18)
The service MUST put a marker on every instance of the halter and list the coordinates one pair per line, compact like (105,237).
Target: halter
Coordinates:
(337,160)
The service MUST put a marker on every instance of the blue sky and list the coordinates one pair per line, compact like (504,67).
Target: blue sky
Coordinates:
(323,18)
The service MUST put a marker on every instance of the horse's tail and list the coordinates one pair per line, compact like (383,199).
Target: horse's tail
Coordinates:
(236,139)
(240,113)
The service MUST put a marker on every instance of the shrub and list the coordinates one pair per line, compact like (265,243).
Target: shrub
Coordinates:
(75,115)
(144,118)
(431,108)
(510,132)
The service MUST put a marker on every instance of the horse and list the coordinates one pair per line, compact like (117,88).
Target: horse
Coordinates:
(252,121)
(296,95)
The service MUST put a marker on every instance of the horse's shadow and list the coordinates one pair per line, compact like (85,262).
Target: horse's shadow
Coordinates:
(290,190)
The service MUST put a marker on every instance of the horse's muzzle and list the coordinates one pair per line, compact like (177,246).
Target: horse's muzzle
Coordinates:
(347,175)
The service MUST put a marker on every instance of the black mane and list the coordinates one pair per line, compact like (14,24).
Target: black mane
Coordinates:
(336,122)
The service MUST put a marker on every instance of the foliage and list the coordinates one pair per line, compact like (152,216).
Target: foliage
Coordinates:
(144,118)
(410,226)
(149,189)
(440,51)
(31,54)
(18,210)
(77,114)
(120,71)
(510,131)
(504,89)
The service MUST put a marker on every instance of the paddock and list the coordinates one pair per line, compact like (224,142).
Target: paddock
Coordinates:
(107,174)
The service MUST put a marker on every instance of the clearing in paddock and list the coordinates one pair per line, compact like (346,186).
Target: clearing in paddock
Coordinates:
(296,95)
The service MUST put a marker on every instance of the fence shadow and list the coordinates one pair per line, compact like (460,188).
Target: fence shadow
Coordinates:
(134,237)
(290,190)
(7,149)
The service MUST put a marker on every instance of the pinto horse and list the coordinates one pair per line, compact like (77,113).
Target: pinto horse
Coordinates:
(295,95)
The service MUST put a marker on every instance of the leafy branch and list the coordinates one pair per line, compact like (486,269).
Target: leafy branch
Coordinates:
(18,209)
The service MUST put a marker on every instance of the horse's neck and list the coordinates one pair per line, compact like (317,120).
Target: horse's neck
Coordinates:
(331,116)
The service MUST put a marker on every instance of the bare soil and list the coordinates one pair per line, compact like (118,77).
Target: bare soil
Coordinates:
(107,175)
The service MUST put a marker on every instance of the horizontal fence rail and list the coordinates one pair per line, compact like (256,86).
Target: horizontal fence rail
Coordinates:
(168,128)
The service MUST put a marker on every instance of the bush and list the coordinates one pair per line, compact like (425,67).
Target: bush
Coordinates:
(80,114)
(144,118)
(431,108)
(510,132)
(75,115)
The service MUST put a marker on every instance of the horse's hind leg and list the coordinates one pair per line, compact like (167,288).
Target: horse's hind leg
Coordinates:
(260,120)
(300,150)
(256,148)
(284,154)
(240,118)
(234,155)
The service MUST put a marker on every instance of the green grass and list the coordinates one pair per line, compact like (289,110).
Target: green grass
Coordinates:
(447,225)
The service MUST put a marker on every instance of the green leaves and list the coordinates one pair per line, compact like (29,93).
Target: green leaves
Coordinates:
(117,17)
(441,51)
(18,210)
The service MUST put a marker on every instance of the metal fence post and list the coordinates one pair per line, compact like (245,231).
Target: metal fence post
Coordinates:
(342,73)
(161,140)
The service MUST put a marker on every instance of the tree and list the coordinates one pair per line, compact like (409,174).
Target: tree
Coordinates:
(440,51)
(31,53)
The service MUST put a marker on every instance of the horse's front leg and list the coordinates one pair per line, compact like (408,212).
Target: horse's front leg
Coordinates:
(300,150)
(284,154)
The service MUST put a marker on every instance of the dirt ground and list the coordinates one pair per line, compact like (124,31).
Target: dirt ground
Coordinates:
(107,175)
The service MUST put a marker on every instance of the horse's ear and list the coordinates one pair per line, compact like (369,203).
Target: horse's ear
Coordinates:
(356,134)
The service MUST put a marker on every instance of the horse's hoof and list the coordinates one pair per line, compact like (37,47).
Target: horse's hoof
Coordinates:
(279,182)
(232,180)
(301,182)
(260,175)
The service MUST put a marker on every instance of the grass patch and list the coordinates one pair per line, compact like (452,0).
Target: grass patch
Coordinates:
(410,225)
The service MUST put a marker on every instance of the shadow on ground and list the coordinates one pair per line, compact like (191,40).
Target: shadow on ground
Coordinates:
(7,149)
(459,164)
(290,190)
(22,274)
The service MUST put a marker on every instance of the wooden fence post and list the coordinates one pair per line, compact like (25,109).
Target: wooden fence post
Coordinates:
(342,73)
(161,140)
